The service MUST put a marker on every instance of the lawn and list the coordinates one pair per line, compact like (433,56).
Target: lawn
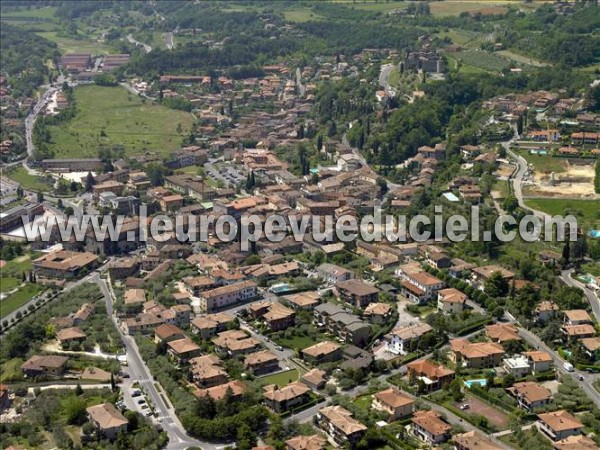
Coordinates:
(19,298)
(301,15)
(592,268)
(112,116)
(586,211)
(11,370)
(297,342)
(481,60)
(31,182)
(11,274)
(544,163)
(281,378)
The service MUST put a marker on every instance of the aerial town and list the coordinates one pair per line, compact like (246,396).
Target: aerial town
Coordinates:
(140,112)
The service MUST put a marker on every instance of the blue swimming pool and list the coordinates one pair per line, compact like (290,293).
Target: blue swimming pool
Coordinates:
(280,288)
(594,233)
(481,382)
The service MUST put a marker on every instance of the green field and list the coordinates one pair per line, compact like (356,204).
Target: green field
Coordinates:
(19,298)
(69,45)
(297,342)
(31,182)
(481,60)
(108,116)
(454,8)
(281,378)
(29,14)
(11,275)
(301,15)
(586,211)
(544,163)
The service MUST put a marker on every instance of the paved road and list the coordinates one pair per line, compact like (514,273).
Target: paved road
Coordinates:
(386,69)
(565,276)
(138,370)
(146,47)
(31,118)
(301,87)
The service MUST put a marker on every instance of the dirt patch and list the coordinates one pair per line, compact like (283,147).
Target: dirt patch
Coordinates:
(2,263)
(478,407)
(489,11)
(504,170)
(576,181)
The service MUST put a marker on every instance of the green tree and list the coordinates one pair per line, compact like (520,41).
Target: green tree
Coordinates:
(496,285)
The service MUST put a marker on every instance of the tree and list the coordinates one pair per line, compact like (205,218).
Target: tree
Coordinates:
(205,407)
(520,124)
(75,411)
(69,211)
(496,285)
(510,204)
(246,438)
(113,384)
(40,197)
(89,182)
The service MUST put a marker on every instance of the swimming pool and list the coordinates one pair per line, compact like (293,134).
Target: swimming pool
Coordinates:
(594,233)
(280,288)
(481,382)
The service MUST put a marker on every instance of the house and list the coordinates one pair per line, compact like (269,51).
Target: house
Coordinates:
(224,296)
(530,395)
(107,420)
(429,427)
(417,285)
(207,371)
(312,442)
(439,260)
(393,402)
(183,349)
(451,301)
(96,374)
(181,315)
(235,342)
(37,365)
(339,424)
(484,273)
(143,323)
(539,361)
(502,332)
(400,339)
(283,399)
(478,355)
(304,300)
(574,332)
(196,285)
(558,425)
(577,317)
(473,440)
(518,366)
(64,264)
(132,296)
(167,332)
(345,326)
(209,325)
(357,293)
(261,362)
(236,387)
(333,274)
(378,312)
(432,374)
(545,310)
(278,317)
(578,442)
(68,335)
(315,378)
(591,346)
(323,352)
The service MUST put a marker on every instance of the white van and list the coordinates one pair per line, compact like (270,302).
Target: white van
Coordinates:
(569,367)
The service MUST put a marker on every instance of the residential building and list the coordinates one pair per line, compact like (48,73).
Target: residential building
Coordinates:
(304,300)
(323,352)
(432,374)
(417,285)
(393,402)
(222,297)
(235,342)
(183,350)
(478,355)
(539,361)
(333,274)
(558,425)
(357,293)
(261,362)
(530,395)
(207,371)
(312,442)
(517,365)
(577,317)
(378,313)
(53,365)
(64,264)
(278,317)
(578,442)
(237,388)
(502,333)
(209,325)
(167,332)
(545,310)
(283,399)
(347,327)
(339,424)
(429,427)
(577,332)
(132,296)
(68,335)
(315,378)
(474,440)
(451,301)
(107,420)
(400,339)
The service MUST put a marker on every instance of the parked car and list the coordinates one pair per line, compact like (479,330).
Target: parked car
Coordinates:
(141,401)
(465,406)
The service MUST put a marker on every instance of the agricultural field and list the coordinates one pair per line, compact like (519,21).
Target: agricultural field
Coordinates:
(112,116)
(586,211)
(301,15)
(481,60)
(455,8)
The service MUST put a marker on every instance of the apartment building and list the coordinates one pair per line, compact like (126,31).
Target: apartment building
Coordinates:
(224,296)
(339,424)
(357,293)
(393,402)
(478,355)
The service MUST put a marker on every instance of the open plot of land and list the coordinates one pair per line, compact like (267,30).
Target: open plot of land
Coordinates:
(301,15)
(452,8)
(478,407)
(586,211)
(19,298)
(31,182)
(281,378)
(576,180)
(544,163)
(461,37)
(30,14)
(12,272)
(112,116)
(377,6)
(69,45)
(481,60)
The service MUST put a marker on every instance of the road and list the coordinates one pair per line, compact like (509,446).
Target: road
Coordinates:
(138,370)
(146,47)
(169,42)
(299,85)
(31,118)
(565,276)
(386,69)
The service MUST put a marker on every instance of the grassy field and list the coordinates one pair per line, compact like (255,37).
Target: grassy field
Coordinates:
(301,15)
(521,58)
(281,378)
(31,182)
(481,60)
(378,6)
(544,163)
(461,37)
(586,211)
(297,342)
(11,274)
(453,8)
(70,45)
(30,14)
(110,116)
(19,298)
